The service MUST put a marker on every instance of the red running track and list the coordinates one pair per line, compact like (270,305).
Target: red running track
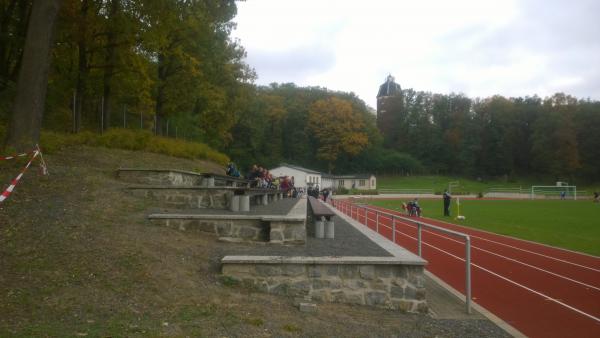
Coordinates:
(542,291)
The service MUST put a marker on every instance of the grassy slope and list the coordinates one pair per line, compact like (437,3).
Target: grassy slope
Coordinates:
(567,224)
(77,258)
(439,183)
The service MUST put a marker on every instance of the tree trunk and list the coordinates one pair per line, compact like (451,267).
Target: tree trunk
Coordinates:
(28,110)
(82,74)
(110,60)
(160,96)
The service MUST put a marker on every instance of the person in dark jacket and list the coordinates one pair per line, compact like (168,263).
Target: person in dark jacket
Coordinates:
(447,199)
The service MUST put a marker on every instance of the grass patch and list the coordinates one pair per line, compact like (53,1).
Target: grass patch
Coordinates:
(138,140)
(567,224)
(229,281)
(292,328)
(466,186)
(254,322)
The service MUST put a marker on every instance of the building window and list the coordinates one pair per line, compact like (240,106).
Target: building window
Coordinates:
(372,183)
(361,183)
(341,183)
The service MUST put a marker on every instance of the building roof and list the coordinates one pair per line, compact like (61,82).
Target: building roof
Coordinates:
(310,171)
(355,176)
(389,88)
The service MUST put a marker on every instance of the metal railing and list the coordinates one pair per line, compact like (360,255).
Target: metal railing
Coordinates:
(351,210)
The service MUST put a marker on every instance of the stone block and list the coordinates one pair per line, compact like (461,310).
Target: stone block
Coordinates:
(224,228)
(384,271)
(299,288)
(400,271)
(338,296)
(379,284)
(397,292)
(354,298)
(308,307)
(276,236)
(268,270)
(320,295)
(348,271)
(293,270)
(314,271)
(248,232)
(422,307)
(402,305)
(355,284)
(237,269)
(318,284)
(367,272)
(375,298)
(421,294)
(280,289)
(332,270)
(410,292)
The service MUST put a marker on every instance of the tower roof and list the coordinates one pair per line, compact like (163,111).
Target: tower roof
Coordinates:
(389,87)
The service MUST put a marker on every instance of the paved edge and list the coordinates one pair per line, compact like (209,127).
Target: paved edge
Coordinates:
(319,260)
(396,249)
(492,317)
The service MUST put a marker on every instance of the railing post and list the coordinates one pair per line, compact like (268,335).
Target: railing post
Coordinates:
(468,273)
(419,238)
(394,230)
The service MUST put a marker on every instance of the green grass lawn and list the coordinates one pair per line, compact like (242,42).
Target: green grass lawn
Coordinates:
(439,183)
(568,224)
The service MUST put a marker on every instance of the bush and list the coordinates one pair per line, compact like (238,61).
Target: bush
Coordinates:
(133,140)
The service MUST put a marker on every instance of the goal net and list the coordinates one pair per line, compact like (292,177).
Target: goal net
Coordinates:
(554,192)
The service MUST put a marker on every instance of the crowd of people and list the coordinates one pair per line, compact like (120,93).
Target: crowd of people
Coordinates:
(262,178)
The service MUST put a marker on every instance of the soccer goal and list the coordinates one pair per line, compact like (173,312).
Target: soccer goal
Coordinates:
(554,191)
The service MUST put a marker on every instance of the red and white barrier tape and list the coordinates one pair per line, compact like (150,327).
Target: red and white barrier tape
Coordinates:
(6,193)
(15,156)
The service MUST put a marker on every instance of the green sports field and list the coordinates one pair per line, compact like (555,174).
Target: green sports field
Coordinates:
(568,224)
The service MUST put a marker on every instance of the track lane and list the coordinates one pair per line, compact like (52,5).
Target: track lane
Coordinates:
(539,316)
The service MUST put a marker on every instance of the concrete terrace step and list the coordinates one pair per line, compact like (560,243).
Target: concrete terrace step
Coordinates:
(288,228)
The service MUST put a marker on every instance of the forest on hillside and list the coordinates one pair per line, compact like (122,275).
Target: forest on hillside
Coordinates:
(172,67)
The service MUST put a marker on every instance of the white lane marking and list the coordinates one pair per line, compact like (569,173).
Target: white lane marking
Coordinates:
(513,282)
(517,261)
(496,254)
(520,249)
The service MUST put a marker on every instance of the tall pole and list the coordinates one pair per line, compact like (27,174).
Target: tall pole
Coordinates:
(102,116)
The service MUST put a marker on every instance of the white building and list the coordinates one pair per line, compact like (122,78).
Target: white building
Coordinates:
(302,177)
(358,182)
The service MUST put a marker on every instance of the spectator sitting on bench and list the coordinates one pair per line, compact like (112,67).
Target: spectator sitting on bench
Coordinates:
(232,170)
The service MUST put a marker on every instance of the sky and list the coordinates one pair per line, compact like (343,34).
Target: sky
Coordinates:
(479,48)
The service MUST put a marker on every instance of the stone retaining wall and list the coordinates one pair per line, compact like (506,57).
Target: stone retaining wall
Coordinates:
(199,198)
(380,282)
(275,229)
(160,177)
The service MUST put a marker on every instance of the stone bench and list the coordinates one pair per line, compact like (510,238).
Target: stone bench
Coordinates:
(211,180)
(219,197)
(322,216)
(274,229)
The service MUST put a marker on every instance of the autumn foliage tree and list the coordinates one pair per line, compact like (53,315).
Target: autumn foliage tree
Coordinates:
(337,128)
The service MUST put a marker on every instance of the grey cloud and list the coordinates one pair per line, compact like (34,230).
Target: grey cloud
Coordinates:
(566,34)
(291,65)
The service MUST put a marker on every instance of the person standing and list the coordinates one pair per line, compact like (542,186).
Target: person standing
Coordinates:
(447,198)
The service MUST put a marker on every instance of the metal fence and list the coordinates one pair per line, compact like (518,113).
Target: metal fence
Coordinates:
(354,211)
